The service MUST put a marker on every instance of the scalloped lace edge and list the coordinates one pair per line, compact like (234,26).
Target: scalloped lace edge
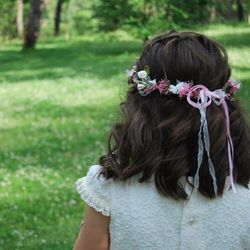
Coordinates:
(85,194)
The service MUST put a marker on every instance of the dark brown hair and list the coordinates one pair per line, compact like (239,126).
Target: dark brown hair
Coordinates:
(158,134)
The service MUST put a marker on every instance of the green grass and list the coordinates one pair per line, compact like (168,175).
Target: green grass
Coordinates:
(56,106)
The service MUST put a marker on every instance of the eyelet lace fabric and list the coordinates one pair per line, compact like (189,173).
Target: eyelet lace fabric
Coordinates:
(142,219)
(95,191)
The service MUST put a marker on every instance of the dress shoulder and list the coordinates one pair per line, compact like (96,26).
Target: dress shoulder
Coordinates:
(95,190)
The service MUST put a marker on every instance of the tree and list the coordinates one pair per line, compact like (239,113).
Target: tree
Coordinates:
(240,10)
(19,18)
(33,28)
(58,13)
(112,13)
(150,16)
(8,19)
(229,9)
(213,11)
(249,12)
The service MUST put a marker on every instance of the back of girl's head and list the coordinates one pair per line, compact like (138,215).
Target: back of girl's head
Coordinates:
(158,134)
(186,56)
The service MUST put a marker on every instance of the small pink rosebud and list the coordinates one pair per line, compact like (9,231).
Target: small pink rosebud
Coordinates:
(184,90)
(234,86)
(163,86)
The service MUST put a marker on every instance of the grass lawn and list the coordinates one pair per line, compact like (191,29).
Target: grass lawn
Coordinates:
(56,106)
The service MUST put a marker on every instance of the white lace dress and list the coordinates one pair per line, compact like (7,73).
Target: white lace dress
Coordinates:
(141,219)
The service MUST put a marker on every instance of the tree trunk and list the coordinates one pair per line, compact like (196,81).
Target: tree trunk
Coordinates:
(249,13)
(230,9)
(213,11)
(33,28)
(19,18)
(58,17)
(240,11)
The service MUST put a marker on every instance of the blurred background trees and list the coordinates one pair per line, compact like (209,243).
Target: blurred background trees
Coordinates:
(26,19)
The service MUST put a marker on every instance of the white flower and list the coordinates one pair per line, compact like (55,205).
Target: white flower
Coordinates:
(172,89)
(238,85)
(152,82)
(142,74)
(141,86)
(179,85)
(130,72)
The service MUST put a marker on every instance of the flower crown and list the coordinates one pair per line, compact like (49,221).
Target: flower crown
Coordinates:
(145,85)
(200,97)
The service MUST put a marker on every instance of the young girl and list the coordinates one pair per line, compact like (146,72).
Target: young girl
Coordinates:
(177,169)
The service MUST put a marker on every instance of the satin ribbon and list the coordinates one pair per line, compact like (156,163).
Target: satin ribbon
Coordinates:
(202,101)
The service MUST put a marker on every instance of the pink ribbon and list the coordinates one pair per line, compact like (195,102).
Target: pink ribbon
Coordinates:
(203,98)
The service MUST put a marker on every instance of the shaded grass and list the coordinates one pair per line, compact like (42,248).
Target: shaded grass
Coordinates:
(57,106)
(80,59)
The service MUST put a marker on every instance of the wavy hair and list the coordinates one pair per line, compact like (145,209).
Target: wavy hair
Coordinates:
(158,134)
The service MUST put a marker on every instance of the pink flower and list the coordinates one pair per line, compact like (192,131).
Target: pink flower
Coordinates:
(184,90)
(162,86)
(232,86)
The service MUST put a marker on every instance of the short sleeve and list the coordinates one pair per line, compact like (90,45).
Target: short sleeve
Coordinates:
(95,190)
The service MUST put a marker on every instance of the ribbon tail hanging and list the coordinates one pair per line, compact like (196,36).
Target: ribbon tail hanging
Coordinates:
(200,153)
(207,147)
(204,131)
(230,148)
